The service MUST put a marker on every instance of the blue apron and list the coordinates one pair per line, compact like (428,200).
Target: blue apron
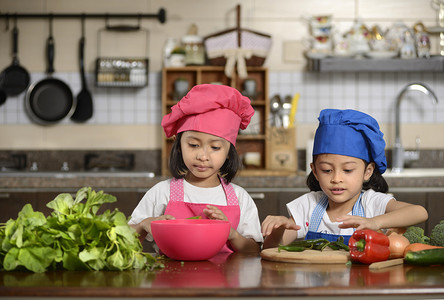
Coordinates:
(316,218)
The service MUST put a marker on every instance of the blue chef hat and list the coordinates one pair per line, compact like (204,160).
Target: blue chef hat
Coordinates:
(351,133)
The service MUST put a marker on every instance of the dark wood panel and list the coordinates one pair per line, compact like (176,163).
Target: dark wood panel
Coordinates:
(435,209)
(415,198)
(266,203)
(12,203)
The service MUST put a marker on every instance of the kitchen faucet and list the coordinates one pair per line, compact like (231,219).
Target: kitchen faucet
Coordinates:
(399,154)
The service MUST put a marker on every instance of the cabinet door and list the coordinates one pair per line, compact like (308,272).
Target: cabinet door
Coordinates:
(266,203)
(11,203)
(126,202)
(415,198)
(43,198)
(435,210)
(284,198)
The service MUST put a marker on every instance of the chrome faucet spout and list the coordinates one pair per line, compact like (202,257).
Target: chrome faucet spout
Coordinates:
(398,156)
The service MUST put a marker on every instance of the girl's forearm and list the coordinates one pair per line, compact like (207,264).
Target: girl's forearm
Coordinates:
(239,243)
(139,229)
(402,217)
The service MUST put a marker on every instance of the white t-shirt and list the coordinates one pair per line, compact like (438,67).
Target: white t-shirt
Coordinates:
(154,203)
(301,209)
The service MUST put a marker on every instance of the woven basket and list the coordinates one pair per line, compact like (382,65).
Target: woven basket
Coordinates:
(258,44)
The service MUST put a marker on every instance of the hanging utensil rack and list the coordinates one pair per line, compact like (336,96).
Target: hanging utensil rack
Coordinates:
(161,15)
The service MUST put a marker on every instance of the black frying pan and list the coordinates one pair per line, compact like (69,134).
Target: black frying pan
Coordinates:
(14,79)
(50,100)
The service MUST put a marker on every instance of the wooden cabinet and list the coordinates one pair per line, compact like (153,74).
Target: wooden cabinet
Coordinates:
(11,203)
(434,207)
(272,202)
(266,203)
(431,201)
(254,139)
(418,199)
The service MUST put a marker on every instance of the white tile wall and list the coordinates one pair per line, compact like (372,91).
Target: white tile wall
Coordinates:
(373,93)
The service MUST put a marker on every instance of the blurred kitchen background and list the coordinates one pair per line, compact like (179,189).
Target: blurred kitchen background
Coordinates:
(128,118)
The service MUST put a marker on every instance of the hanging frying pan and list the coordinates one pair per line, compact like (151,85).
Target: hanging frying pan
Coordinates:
(14,79)
(50,100)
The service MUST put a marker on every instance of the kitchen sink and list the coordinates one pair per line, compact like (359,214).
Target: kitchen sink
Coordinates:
(416,172)
(70,174)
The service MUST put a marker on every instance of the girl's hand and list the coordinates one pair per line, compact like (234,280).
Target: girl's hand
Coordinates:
(146,223)
(357,222)
(272,223)
(212,212)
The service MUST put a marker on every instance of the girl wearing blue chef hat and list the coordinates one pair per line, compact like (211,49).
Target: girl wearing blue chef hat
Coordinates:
(348,191)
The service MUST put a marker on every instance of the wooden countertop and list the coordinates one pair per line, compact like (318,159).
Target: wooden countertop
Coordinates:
(235,275)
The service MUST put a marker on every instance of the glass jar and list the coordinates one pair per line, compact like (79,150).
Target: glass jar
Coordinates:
(194,50)
(170,45)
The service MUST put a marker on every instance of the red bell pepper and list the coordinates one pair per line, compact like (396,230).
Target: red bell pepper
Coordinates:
(369,246)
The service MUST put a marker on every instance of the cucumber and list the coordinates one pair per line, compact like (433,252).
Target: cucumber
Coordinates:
(425,257)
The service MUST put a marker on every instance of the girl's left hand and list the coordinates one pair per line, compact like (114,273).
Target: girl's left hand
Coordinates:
(212,212)
(357,222)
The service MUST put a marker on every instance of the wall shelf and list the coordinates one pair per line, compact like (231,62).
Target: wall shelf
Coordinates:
(333,64)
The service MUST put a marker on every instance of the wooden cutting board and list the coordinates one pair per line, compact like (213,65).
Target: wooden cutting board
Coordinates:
(327,256)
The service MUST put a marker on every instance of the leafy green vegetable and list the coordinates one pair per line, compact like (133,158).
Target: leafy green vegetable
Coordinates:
(72,237)
(415,234)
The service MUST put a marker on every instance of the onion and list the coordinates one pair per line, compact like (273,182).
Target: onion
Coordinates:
(398,243)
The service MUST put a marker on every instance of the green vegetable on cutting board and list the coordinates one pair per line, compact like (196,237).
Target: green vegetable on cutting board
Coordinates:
(314,244)
(291,248)
(425,257)
(72,237)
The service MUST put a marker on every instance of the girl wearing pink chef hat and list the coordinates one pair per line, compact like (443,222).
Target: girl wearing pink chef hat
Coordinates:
(348,191)
(203,161)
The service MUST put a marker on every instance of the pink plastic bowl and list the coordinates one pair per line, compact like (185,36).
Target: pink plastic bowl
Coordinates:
(190,239)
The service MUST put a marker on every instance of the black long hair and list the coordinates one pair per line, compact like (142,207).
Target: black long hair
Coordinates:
(376,181)
(178,168)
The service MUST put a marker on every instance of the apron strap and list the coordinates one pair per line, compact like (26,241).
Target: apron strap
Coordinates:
(318,213)
(229,192)
(177,193)
(176,190)
(358,209)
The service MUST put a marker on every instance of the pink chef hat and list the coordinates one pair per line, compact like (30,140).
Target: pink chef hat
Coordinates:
(215,109)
